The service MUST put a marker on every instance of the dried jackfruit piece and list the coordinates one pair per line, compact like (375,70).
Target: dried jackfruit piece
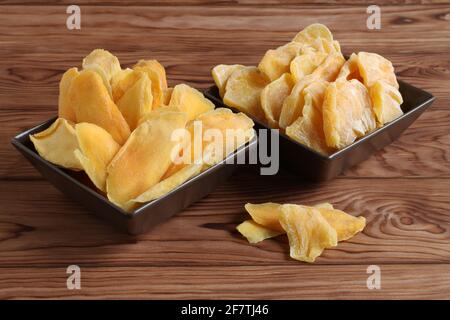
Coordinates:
(308,232)
(96,148)
(190,100)
(157,113)
(256,233)
(308,128)
(350,69)
(305,64)
(374,67)
(272,97)
(277,61)
(144,158)
(325,46)
(346,225)
(157,74)
(92,103)
(386,101)
(104,63)
(243,91)
(65,109)
(221,73)
(312,32)
(137,101)
(57,144)
(293,104)
(347,113)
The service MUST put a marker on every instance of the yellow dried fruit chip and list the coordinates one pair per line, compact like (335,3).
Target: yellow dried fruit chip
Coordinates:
(92,104)
(166,185)
(386,100)
(157,75)
(57,144)
(308,128)
(190,101)
(266,214)
(221,73)
(308,232)
(137,101)
(305,64)
(350,69)
(276,62)
(96,148)
(167,96)
(243,91)
(272,97)
(122,81)
(312,32)
(144,158)
(346,225)
(256,233)
(65,108)
(293,104)
(104,63)
(374,67)
(347,113)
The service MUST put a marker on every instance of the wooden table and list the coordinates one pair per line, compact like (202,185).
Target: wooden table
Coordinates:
(403,190)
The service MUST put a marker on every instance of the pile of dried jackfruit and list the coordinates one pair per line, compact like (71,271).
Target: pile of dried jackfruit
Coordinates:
(308,90)
(118,124)
(310,230)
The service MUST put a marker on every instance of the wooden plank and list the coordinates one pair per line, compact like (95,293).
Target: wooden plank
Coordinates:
(408,222)
(245,282)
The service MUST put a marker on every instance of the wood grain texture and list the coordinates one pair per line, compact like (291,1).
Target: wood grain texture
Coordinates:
(401,190)
(244,282)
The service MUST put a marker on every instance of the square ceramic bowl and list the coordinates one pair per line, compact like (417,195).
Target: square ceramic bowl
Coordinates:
(310,164)
(77,186)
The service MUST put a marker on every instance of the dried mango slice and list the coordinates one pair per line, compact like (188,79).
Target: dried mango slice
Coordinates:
(266,214)
(272,97)
(312,32)
(144,158)
(221,73)
(293,104)
(57,144)
(346,225)
(386,100)
(92,104)
(137,101)
(157,74)
(104,63)
(308,232)
(277,61)
(256,233)
(308,129)
(168,184)
(122,81)
(374,67)
(190,100)
(96,148)
(65,109)
(347,113)
(167,96)
(243,91)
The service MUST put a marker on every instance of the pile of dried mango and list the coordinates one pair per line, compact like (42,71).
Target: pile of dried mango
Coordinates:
(118,126)
(308,90)
(310,230)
